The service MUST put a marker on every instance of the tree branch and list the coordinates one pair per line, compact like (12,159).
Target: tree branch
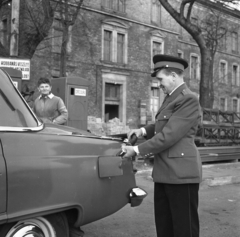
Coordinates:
(76,12)
(3,51)
(190,10)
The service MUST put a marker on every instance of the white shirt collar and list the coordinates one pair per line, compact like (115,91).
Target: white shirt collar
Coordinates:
(176,88)
(50,96)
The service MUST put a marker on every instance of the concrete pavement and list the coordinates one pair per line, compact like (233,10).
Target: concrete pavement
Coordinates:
(214,174)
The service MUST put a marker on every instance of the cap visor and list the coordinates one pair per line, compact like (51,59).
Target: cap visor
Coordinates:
(154,74)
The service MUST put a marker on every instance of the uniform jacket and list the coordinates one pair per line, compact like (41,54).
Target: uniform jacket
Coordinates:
(171,139)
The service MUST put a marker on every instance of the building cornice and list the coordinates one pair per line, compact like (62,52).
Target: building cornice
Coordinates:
(222,52)
(129,20)
(220,7)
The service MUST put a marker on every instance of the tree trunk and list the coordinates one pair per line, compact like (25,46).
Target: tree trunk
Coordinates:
(211,82)
(63,55)
(206,76)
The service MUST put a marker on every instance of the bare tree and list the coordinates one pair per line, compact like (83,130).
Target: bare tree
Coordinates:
(68,11)
(215,29)
(38,18)
(3,52)
(207,35)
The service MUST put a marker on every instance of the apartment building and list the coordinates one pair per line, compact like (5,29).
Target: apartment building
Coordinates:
(112,44)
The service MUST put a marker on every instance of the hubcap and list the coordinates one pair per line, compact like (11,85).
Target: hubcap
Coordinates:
(36,227)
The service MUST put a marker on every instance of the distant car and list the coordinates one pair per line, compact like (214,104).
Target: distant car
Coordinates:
(54,177)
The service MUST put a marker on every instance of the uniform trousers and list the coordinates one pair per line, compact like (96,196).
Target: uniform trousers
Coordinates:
(176,210)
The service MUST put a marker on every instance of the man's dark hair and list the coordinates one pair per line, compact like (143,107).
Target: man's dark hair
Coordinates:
(44,80)
(169,70)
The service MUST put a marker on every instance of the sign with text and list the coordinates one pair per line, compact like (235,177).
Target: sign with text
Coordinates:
(19,64)
(80,92)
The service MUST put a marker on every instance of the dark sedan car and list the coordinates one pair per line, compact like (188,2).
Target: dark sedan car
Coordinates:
(53,178)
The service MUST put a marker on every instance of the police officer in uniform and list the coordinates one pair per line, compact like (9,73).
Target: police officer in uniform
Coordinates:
(177,169)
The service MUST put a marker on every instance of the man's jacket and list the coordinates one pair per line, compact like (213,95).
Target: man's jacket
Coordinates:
(171,139)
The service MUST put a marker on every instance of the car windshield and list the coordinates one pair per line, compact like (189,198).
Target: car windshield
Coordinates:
(14,112)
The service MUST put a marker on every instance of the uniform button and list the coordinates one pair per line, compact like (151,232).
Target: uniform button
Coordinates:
(164,116)
(155,132)
(182,154)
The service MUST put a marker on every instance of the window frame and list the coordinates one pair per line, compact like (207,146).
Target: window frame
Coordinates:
(181,53)
(15,100)
(154,85)
(237,76)
(225,103)
(116,28)
(159,40)
(223,40)
(225,78)
(111,5)
(235,99)
(198,66)
(121,79)
(234,41)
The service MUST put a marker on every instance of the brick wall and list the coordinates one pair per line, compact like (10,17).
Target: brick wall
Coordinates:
(85,58)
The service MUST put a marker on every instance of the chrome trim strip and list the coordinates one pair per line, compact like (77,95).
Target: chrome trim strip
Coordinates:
(21,129)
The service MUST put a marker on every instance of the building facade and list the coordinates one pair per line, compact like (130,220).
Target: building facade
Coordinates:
(112,44)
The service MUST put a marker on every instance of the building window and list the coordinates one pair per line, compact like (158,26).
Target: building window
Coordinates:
(4,32)
(235,75)
(234,42)
(157,47)
(222,104)
(223,38)
(120,48)
(223,72)
(154,101)
(112,101)
(107,45)
(114,47)
(180,54)
(114,96)
(116,5)
(194,70)
(235,105)
(156,12)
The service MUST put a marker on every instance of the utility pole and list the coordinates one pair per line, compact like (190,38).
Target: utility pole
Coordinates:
(14,28)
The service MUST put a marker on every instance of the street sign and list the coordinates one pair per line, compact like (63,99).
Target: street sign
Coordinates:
(19,64)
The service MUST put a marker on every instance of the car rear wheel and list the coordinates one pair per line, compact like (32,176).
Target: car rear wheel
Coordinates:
(49,226)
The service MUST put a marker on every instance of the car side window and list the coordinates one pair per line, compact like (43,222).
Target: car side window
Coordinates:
(13,110)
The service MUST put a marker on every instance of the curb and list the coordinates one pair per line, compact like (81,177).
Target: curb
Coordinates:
(221,181)
(206,182)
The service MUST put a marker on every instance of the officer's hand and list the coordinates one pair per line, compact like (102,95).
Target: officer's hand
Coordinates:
(138,133)
(128,150)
